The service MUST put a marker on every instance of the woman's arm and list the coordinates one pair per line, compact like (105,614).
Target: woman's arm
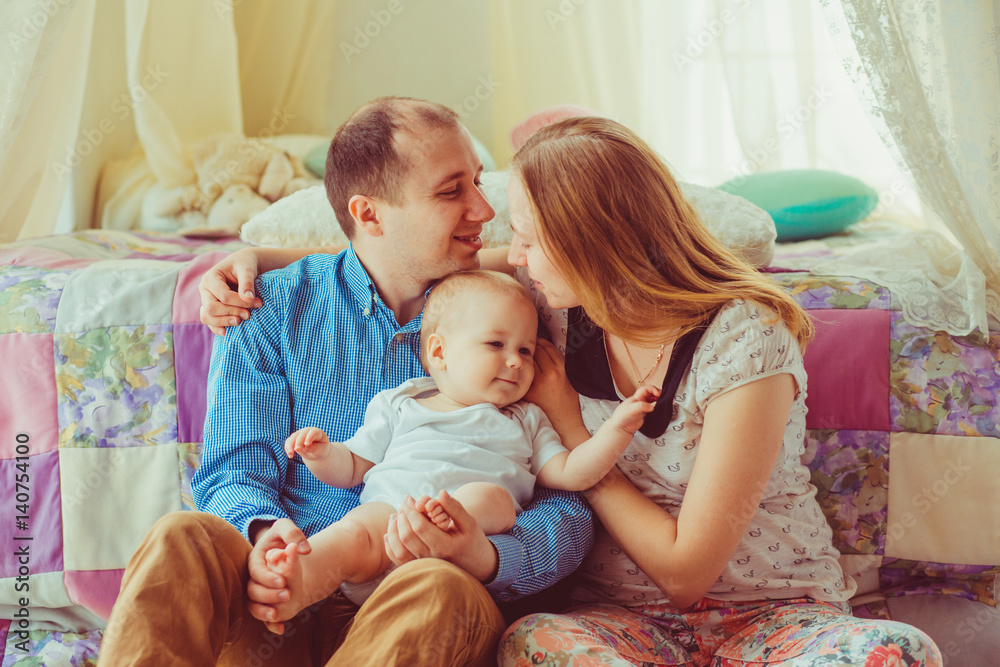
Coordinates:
(221,305)
(739,446)
(743,433)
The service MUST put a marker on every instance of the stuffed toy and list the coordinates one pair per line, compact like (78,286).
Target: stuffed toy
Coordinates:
(236,177)
(237,204)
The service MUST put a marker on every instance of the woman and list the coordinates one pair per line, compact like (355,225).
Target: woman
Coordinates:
(712,548)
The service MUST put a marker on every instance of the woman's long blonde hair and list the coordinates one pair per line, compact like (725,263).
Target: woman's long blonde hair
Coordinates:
(612,218)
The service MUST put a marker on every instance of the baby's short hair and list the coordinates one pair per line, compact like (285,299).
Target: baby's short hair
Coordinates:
(449,297)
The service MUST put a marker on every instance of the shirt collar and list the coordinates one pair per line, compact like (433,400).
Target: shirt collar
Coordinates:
(365,294)
(359,283)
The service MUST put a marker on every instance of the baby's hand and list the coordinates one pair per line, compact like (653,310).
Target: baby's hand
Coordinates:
(311,443)
(633,410)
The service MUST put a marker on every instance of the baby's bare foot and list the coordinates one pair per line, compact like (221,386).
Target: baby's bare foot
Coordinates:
(437,514)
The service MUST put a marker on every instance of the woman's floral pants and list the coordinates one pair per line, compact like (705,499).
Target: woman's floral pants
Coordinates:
(712,633)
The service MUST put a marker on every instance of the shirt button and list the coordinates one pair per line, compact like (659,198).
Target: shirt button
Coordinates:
(399,337)
(366,312)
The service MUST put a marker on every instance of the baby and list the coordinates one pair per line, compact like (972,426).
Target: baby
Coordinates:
(464,430)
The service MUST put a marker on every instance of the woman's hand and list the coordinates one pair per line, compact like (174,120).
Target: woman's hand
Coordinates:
(221,306)
(551,390)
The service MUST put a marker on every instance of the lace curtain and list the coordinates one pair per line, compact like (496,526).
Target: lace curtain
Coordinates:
(929,72)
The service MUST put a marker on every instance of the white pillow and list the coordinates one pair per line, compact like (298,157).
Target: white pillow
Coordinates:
(305,219)
(745,229)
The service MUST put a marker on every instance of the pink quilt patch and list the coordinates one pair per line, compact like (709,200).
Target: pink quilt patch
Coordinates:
(27,393)
(848,367)
(96,590)
(187,303)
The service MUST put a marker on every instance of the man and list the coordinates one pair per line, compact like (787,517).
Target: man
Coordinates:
(331,331)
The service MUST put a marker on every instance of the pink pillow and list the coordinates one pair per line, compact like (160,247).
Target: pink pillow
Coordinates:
(540,119)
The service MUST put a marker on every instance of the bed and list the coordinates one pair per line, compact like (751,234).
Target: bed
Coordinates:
(103,392)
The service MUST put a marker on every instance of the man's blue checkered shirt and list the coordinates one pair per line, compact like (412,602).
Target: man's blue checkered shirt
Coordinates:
(319,349)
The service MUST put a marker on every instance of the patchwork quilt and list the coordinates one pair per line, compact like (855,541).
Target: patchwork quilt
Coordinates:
(102,399)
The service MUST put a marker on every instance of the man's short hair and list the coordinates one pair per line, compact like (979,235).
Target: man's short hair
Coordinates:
(452,293)
(363,158)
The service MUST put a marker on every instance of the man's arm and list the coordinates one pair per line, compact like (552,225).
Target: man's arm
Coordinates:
(227,289)
(243,462)
(548,542)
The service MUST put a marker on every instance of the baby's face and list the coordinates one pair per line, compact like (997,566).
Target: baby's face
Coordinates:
(489,351)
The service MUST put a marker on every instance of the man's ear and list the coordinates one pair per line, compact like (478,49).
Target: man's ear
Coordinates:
(435,352)
(364,210)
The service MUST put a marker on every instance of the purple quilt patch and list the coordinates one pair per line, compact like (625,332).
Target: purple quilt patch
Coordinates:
(35,541)
(29,297)
(817,292)
(192,354)
(850,470)
(943,384)
(908,577)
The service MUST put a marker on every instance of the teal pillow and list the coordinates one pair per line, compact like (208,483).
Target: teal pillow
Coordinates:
(806,203)
(489,164)
(315,160)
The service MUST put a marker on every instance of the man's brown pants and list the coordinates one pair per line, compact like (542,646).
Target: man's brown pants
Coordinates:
(183,602)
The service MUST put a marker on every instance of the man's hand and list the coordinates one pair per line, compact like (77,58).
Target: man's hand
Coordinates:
(411,535)
(222,307)
(266,590)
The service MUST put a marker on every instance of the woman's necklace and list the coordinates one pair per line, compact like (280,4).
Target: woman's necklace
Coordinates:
(635,371)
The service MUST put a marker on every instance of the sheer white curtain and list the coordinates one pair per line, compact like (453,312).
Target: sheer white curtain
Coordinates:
(570,52)
(733,87)
(724,88)
(43,49)
(177,96)
(98,98)
(929,73)
(721,88)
